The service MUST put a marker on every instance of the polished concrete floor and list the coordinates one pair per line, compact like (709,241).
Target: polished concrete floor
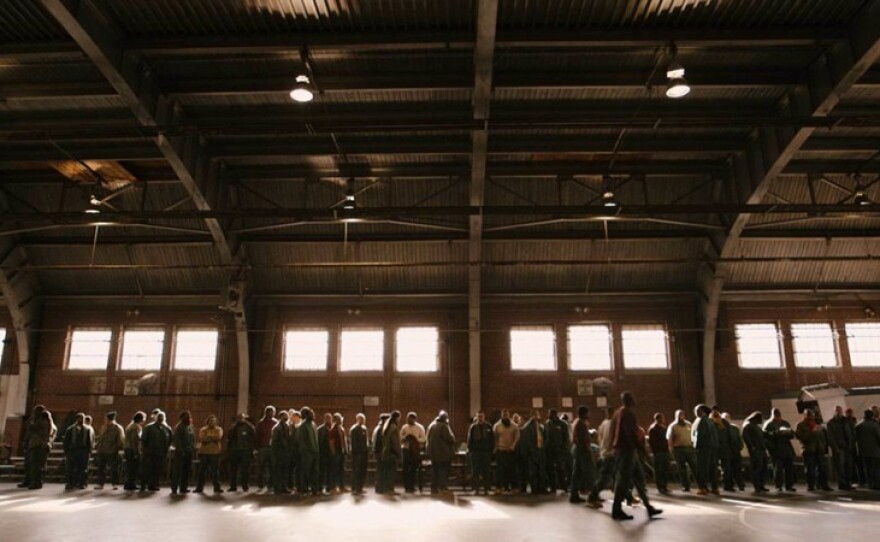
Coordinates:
(50,514)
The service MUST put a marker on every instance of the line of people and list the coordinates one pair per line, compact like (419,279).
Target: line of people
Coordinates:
(293,454)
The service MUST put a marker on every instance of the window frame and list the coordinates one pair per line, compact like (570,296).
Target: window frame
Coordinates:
(360,372)
(611,349)
(120,346)
(854,367)
(667,340)
(305,327)
(172,364)
(437,365)
(779,342)
(68,348)
(515,370)
(835,344)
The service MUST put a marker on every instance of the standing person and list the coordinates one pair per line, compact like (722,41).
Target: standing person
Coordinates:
(391,451)
(109,444)
(358,438)
(441,451)
(868,442)
(532,439)
(735,441)
(40,435)
(756,443)
(184,440)
(293,470)
(841,441)
(241,441)
(264,447)
(606,458)
(681,444)
(156,440)
(779,436)
(660,450)
(132,450)
(336,448)
(324,455)
(705,438)
(78,441)
(377,452)
(722,430)
(506,439)
(481,444)
(557,450)
(413,439)
(626,448)
(280,444)
(210,446)
(583,470)
(814,444)
(307,442)
(858,472)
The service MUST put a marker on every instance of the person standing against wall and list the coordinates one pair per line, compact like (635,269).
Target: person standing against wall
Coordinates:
(735,442)
(358,438)
(210,439)
(336,449)
(481,444)
(557,451)
(264,447)
(506,440)
(583,472)
(391,451)
(841,440)
(78,441)
(705,438)
(660,451)
(779,436)
(109,445)
(280,444)
(157,437)
(441,451)
(307,442)
(132,450)
(681,443)
(240,444)
(184,439)
(413,439)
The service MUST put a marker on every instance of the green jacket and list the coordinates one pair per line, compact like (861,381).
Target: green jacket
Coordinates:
(441,442)
(156,439)
(753,436)
(391,442)
(812,442)
(779,436)
(184,439)
(307,438)
(734,438)
(704,433)
(868,438)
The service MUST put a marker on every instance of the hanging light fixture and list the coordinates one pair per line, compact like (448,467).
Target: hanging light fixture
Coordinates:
(860,198)
(349,204)
(608,199)
(94,204)
(302,91)
(676,84)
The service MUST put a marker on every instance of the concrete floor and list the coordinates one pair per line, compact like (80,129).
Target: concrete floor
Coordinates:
(50,514)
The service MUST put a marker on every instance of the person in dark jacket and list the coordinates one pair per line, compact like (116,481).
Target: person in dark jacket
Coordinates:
(324,452)
(155,443)
(735,443)
(722,429)
(280,454)
(868,442)
(481,444)
(38,438)
(337,448)
(184,439)
(391,452)
(705,437)
(358,439)
(241,441)
(779,436)
(756,443)
(132,450)
(307,442)
(660,450)
(78,441)
(627,446)
(557,450)
(532,442)
(842,441)
(858,472)
(377,452)
(441,451)
(583,471)
(264,446)
(814,443)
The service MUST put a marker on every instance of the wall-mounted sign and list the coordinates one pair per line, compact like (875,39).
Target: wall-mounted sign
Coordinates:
(566,402)
(131,387)
(105,399)
(371,400)
(537,402)
(585,387)
(601,401)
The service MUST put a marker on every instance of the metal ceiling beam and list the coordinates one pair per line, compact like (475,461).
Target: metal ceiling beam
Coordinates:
(770,150)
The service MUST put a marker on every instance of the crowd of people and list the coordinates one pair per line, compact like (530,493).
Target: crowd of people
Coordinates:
(295,455)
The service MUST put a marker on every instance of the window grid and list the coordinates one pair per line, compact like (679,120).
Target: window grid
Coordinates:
(863,340)
(306,349)
(813,345)
(532,348)
(589,347)
(195,349)
(89,348)
(417,349)
(645,347)
(758,346)
(142,349)
(361,349)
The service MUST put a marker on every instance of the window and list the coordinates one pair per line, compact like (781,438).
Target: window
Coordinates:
(196,349)
(306,349)
(362,350)
(589,347)
(863,339)
(758,346)
(417,349)
(644,347)
(89,349)
(532,348)
(813,345)
(142,349)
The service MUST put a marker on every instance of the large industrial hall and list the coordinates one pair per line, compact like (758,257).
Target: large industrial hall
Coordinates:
(439,270)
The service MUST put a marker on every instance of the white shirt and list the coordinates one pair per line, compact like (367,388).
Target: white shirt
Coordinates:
(417,430)
(606,446)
